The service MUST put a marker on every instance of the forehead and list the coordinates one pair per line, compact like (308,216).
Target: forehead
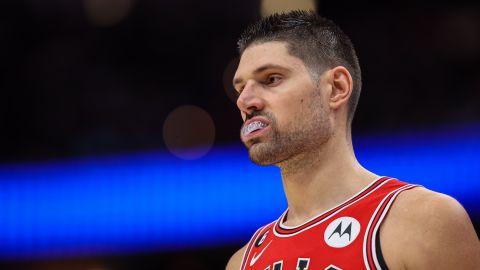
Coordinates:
(273,53)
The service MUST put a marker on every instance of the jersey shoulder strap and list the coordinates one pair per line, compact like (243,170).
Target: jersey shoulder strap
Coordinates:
(373,257)
(256,240)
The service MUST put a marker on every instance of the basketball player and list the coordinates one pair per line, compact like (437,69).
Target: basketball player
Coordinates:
(299,82)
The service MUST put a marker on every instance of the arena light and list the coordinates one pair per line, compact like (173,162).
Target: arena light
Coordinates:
(188,126)
(158,202)
(269,7)
(107,13)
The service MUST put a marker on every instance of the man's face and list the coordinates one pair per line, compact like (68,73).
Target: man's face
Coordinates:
(283,109)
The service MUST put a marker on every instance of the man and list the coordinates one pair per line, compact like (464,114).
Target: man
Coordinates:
(299,82)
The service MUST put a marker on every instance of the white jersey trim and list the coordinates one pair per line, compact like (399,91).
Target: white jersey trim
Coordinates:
(377,226)
(280,220)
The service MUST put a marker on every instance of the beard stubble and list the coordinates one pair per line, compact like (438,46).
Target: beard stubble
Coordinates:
(308,130)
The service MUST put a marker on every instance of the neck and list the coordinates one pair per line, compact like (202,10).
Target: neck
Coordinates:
(318,180)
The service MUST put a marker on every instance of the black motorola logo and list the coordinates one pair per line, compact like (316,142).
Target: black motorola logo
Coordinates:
(338,230)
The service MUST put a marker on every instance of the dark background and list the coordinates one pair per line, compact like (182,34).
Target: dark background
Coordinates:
(75,86)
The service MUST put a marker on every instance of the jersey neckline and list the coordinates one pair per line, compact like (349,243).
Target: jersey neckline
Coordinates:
(285,231)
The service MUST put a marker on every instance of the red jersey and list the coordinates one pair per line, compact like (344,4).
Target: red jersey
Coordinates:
(344,237)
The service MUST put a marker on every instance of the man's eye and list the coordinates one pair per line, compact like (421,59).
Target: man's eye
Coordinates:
(274,79)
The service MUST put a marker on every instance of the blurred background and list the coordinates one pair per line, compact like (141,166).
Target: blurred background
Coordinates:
(119,142)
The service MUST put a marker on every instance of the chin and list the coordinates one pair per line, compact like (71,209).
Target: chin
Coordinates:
(261,155)
(260,162)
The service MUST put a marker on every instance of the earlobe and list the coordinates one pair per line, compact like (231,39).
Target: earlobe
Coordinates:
(342,84)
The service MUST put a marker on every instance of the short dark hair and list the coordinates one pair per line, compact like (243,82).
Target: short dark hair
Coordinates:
(317,41)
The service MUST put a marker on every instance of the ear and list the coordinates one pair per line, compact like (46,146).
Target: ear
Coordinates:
(342,84)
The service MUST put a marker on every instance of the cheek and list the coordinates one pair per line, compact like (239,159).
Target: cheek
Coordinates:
(291,112)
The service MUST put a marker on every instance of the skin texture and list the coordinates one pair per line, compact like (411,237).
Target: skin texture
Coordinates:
(302,118)
(309,139)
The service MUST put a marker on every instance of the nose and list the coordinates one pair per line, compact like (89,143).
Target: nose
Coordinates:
(250,99)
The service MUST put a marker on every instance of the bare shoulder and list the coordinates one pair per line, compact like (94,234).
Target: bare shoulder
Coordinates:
(236,260)
(429,230)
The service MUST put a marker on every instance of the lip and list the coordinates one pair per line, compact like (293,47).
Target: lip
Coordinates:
(257,133)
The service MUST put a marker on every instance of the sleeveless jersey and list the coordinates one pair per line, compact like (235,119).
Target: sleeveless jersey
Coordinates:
(344,237)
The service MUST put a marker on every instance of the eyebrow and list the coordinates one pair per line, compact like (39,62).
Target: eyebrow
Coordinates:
(260,70)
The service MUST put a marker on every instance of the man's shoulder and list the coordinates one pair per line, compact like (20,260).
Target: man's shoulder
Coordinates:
(421,207)
(422,203)
(426,229)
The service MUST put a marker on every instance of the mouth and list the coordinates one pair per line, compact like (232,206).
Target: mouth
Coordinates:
(253,128)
